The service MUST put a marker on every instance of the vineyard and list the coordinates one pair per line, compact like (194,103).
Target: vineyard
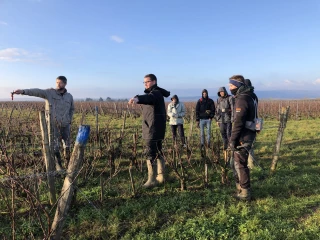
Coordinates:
(113,170)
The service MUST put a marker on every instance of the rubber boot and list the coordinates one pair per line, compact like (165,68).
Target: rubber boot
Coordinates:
(67,156)
(245,194)
(58,161)
(161,170)
(152,174)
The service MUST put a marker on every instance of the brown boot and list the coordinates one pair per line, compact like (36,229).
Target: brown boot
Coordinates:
(152,174)
(245,194)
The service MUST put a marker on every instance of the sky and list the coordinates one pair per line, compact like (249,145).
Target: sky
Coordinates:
(106,47)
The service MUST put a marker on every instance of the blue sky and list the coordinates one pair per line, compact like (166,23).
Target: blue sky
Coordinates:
(105,48)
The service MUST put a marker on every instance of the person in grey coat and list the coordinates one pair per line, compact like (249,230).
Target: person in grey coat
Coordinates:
(176,111)
(224,115)
(61,107)
(153,127)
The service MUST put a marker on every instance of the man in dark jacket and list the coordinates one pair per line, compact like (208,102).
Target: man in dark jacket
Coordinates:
(153,127)
(205,111)
(224,115)
(241,137)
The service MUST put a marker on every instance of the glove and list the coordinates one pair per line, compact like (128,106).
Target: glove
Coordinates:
(232,146)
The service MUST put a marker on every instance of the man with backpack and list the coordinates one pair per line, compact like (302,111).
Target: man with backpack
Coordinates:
(224,115)
(205,111)
(242,134)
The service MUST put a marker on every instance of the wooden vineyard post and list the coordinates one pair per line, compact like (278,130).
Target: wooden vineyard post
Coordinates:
(50,167)
(282,126)
(69,182)
(97,127)
(191,126)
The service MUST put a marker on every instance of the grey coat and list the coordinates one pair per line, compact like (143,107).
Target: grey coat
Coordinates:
(224,107)
(62,106)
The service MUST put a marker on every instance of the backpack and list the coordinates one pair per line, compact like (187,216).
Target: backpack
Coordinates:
(257,124)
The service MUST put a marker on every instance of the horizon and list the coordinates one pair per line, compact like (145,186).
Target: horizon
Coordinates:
(262,95)
(104,48)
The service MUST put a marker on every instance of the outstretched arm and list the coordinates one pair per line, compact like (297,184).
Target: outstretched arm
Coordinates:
(36,92)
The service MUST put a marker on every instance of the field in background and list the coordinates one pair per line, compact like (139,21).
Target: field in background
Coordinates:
(285,206)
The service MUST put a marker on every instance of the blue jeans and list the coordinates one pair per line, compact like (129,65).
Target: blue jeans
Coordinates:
(203,123)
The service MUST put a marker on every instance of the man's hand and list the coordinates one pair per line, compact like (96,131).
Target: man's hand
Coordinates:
(218,124)
(198,124)
(133,100)
(18,91)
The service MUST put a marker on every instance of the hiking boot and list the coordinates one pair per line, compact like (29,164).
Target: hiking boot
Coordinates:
(244,194)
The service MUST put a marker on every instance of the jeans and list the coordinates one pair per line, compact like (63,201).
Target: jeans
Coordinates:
(203,123)
(61,133)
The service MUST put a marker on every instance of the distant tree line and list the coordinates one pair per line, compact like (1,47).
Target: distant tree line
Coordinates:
(108,99)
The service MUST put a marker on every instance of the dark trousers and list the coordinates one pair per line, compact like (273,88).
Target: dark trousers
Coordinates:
(241,171)
(153,149)
(180,132)
(225,130)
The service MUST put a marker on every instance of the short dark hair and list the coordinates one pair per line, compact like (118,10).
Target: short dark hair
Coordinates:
(151,76)
(62,78)
(239,78)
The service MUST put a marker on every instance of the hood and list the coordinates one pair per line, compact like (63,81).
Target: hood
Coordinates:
(244,89)
(222,89)
(164,92)
(176,97)
(206,91)
(248,82)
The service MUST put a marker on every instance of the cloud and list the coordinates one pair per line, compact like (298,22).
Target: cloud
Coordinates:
(288,81)
(117,39)
(3,23)
(19,55)
(316,82)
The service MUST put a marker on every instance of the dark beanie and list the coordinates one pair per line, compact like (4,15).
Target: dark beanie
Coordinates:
(237,82)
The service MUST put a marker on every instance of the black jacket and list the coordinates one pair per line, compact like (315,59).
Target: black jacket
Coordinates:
(205,109)
(224,107)
(153,113)
(244,111)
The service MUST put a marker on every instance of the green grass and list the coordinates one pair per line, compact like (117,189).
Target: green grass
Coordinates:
(286,203)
